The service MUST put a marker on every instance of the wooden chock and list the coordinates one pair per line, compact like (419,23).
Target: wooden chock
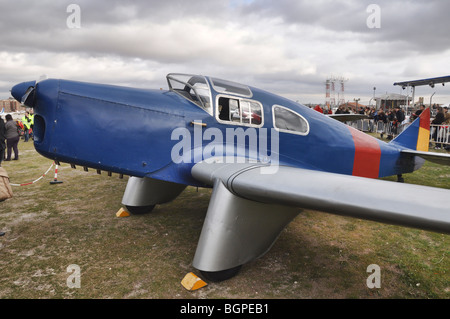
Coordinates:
(122,213)
(192,282)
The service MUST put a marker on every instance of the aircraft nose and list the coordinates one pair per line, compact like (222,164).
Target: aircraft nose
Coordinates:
(23,92)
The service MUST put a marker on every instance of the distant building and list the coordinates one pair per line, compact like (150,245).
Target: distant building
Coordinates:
(10,105)
(391,100)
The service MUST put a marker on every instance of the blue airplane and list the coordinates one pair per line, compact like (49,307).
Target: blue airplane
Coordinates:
(265,156)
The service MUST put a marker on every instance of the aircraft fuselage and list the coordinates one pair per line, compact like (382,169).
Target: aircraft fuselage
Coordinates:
(160,134)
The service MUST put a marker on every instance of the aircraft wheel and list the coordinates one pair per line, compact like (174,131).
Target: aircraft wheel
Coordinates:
(217,276)
(140,210)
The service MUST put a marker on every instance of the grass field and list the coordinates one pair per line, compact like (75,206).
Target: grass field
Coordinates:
(49,227)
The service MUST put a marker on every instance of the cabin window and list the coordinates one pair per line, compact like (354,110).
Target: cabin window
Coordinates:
(239,111)
(288,121)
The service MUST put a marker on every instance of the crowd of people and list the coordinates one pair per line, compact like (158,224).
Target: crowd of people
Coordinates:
(11,132)
(392,118)
(391,115)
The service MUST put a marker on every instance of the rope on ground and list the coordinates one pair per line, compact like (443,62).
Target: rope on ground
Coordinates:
(35,181)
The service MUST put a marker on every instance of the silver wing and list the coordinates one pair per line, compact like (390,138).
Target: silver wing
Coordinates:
(252,203)
(348,117)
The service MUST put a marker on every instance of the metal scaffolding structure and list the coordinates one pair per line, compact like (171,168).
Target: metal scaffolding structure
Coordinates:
(331,92)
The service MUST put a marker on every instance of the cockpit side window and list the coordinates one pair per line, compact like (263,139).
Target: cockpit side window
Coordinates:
(195,88)
(239,111)
(288,121)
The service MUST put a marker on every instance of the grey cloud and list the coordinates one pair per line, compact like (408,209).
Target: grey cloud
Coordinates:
(423,25)
(287,46)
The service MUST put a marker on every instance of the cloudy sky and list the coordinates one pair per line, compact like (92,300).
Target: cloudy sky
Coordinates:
(284,46)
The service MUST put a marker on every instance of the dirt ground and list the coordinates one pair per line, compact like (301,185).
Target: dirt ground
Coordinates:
(51,227)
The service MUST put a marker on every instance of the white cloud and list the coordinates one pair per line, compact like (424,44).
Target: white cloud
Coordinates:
(283,46)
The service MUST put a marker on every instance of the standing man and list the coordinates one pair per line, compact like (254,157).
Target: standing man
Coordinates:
(418,112)
(447,115)
(12,138)
(31,117)
(2,148)
(399,114)
(2,140)
(439,119)
(447,121)
(26,121)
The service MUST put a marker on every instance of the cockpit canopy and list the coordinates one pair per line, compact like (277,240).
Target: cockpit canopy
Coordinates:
(196,88)
(235,105)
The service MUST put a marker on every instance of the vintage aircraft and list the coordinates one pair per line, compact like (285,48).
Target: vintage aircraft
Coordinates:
(264,156)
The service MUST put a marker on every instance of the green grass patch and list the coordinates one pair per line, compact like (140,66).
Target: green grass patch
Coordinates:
(49,227)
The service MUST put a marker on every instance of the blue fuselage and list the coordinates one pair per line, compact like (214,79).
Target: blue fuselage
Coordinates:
(134,132)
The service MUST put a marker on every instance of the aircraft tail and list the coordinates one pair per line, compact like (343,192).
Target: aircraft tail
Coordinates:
(417,135)
(3,111)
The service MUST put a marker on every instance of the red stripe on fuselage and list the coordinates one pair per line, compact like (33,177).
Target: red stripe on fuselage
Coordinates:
(367,155)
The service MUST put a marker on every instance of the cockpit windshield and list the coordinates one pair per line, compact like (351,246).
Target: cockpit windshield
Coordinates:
(195,88)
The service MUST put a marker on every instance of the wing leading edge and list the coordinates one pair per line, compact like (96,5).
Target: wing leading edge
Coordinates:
(348,117)
(383,201)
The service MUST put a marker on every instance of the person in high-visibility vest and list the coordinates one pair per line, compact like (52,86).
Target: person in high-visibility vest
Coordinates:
(26,125)
(31,117)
